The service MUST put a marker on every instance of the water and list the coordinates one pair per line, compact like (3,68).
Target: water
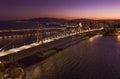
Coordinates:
(94,58)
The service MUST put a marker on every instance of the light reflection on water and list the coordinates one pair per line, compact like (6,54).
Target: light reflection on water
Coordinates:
(118,38)
(85,60)
(94,37)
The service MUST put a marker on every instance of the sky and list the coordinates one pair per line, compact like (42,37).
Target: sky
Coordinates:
(68,9)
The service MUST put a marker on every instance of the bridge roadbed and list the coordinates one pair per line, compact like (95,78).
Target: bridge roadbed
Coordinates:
(47,49)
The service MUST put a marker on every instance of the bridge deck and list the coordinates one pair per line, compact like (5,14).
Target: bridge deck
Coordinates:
(32,45)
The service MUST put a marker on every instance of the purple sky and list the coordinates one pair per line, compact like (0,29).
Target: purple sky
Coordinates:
(69,9)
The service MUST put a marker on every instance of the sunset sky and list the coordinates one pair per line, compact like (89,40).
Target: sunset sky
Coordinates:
(68,9)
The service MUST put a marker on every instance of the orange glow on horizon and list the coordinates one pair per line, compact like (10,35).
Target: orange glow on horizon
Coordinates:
(70,17)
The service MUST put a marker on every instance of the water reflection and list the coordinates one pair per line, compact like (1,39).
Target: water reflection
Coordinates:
(94,37)
(85,60)
(48,69)
(118,38)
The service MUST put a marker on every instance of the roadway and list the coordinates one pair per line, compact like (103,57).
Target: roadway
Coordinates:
(59,36)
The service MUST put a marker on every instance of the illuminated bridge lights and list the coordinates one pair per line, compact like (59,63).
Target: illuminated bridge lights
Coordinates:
(24,47)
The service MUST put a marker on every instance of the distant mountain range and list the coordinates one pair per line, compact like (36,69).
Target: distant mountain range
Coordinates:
(46,20)
(32,23)
(56,20)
